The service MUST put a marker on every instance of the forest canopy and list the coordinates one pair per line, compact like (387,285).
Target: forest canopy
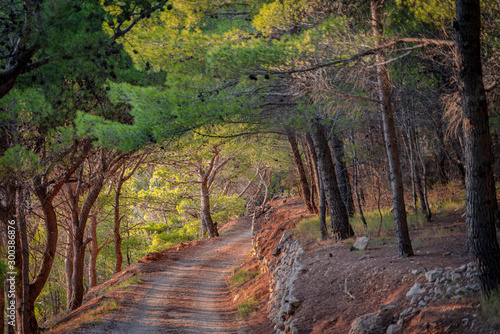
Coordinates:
(129,126)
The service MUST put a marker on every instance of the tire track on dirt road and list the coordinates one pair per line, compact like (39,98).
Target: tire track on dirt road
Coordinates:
(190,295)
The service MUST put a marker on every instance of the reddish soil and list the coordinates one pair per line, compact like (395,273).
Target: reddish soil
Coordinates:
(372,278)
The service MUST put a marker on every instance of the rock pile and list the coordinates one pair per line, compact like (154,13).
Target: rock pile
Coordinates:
(430,287)
(283,272)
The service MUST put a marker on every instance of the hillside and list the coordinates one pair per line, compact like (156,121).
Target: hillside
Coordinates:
(433,292)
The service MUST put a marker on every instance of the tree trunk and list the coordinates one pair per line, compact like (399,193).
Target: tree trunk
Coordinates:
(355,183)
(341,229)
(342,174)
(312,168)
(49,253)
(94,251)
(68,264)
(322,207)
(385,106)
(304,185)
(480,184)
(79,243)
(25,312)
(206,216)
(314,163)
(116,229)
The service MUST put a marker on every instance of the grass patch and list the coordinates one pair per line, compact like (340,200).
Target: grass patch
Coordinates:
(95,316)
(134,280)
(308,229)
(247,308)
(491,307)
(243,276)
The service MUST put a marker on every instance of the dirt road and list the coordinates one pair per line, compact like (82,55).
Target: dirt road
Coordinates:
(191,294)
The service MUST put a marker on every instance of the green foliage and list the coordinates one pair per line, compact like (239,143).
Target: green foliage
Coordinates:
(3,270)
(247,308)
(188,232)
(491,306)
(308,229)
(281,15)
(244,276)
(437,12)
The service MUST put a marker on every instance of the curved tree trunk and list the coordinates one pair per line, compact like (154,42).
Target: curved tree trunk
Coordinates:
(341,229)
(385,106)
(79,243)
(480,183)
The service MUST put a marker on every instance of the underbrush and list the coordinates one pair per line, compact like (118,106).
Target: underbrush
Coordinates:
(243,276)
(245,304)
(187,232)
(247,308)
(491,307)
(378,224)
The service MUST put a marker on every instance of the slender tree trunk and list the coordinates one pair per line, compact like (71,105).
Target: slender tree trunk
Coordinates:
(424,198)
(385,106)
(116,229)
(341,229)
(25,311)
(355,182)
(304,185)
(322,207)
(314,163)
(312,169)
(342,174)
(68,263)
(94,251)
(480,183)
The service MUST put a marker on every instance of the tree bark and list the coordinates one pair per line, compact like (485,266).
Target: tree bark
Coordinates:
(480,184)
(341,229)
(385,106)
(342,174)
(94,250)
(116,229)
(314,161)
(304,185)
(313,170)
(79,243)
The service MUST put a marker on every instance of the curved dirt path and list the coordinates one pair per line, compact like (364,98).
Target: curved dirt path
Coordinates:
(190,295)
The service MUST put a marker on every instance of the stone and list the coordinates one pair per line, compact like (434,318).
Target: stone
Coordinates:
(415,290)
(392,329)
(407,312)
(385,307)
(371,323)
(415,272)
(433,275)
(360,244)
(473,287)
(455,276)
